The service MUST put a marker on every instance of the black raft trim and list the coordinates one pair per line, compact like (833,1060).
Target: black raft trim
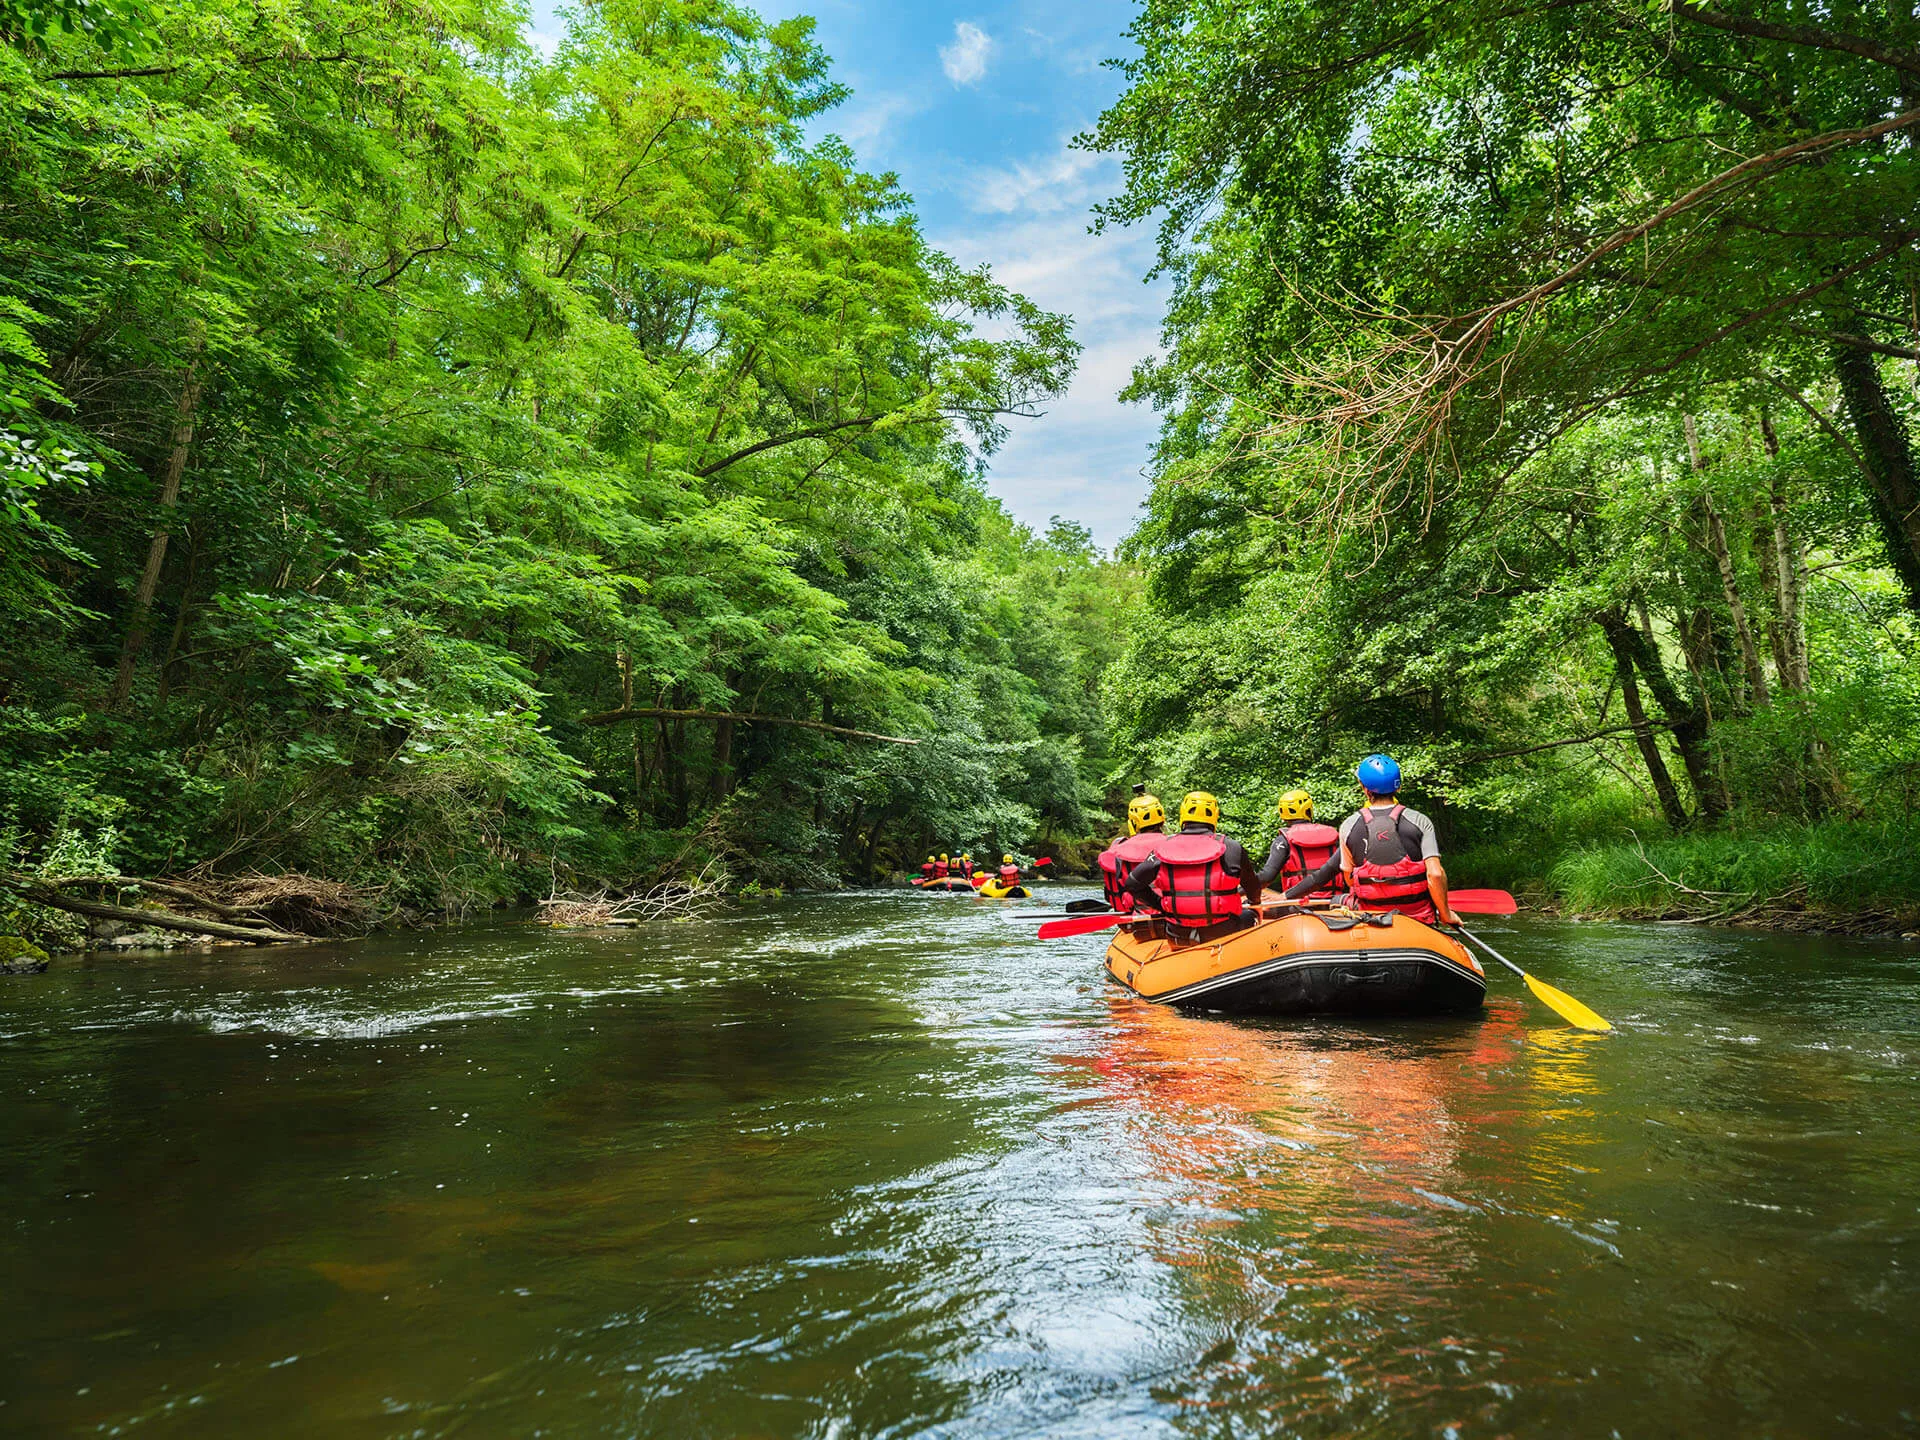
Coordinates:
(1317,957)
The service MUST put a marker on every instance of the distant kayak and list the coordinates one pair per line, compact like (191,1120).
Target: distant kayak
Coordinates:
(993,890)
(1323,962)
(949,886)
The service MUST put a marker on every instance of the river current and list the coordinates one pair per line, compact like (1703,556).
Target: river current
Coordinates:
(885,1165)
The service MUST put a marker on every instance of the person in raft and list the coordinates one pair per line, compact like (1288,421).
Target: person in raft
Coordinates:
(1390,854)
(940,868)
(1009,872)
(1301,848)
(927,870)
(1146,817)
(1197,878)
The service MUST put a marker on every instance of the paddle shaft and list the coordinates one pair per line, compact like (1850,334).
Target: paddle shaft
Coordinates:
(1493,952)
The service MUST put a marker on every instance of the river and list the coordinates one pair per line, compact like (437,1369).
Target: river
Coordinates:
(884,1165)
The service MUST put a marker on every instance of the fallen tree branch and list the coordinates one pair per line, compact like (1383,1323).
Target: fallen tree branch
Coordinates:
(156,887)
(41,894)
(615,717)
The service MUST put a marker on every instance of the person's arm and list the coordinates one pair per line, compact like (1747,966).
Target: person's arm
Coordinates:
(1250,882)
(1276,860)
(1140,883)
(1319,878)
(1437,887)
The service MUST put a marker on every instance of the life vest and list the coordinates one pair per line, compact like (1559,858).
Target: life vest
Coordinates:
(1118,860)
(1194,886)
(1309,846)
(927,870)
(1389,878)
(1009,874)
(939,870)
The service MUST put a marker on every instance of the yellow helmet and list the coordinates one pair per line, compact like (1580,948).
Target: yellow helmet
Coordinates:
(1144,812)
(929,859)
(1296,805)
(943,854)
(1199,807)
(1006,859)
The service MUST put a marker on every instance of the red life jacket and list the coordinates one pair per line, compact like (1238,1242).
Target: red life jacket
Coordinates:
(1193,886)
(1009,874)
(1389,878)
(939,870)
(1309,846)
(1118,860)
(926,870)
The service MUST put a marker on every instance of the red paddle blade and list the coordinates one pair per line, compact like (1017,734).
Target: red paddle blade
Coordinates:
(1044,860)
(1483,902)
(1082,925)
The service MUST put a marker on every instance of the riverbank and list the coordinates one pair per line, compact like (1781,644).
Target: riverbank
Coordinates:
(1836,877)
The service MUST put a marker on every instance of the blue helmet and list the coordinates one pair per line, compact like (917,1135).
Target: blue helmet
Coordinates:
(1379,774)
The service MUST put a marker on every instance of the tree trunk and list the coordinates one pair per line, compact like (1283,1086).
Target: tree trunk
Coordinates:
(1689,723)
(1616,629)
(1785,570)
(1886,453)
(722,759)
(140,621)
(1756,674)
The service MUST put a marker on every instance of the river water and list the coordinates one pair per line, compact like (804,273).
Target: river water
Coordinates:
(884,1165)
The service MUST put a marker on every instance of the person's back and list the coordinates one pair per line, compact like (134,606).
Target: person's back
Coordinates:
(1391,854)
(1197,878)
(940,868)
(1145,817)
(1304,848)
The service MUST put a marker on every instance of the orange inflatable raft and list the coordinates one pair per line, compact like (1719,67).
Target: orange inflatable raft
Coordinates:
(1317,962)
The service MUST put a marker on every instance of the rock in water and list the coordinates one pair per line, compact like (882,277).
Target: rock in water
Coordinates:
(19,957)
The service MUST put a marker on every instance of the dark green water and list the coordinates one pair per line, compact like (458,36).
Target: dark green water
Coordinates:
(886,1166)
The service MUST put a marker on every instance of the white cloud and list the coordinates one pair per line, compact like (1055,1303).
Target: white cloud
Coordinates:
(1062,181)
(872,124)
(965,60)
(1085,459)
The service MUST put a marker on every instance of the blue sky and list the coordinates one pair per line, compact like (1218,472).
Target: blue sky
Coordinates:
(973,107)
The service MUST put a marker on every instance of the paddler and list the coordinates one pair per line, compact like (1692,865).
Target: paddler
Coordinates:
(1198,877)
(1390,854)
(1009,872)
(1146,817)
(940,868)
(1301,848)
(927,870)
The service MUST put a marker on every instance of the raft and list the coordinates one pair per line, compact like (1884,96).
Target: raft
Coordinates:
(1321,962)
(952,885)
(993,890)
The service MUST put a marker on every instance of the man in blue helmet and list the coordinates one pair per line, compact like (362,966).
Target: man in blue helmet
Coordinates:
(1391,854)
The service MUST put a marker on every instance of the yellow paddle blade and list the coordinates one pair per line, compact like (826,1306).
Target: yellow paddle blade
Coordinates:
(1568,1008)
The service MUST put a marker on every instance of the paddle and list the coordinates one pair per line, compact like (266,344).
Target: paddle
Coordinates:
(1558,1001)
(1086,907)
(1483,902)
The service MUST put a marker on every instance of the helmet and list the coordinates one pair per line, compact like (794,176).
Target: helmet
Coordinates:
(1143,813)
(1199,807)
(1379,775)
(1006,859)
(943,854)
(1296,805)
(929,859)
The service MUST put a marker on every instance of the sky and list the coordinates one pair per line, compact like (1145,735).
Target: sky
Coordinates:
(974,108)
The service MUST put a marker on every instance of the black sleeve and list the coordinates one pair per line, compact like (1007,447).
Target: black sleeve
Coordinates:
(1239,862)
(1319,879)
(1276,860)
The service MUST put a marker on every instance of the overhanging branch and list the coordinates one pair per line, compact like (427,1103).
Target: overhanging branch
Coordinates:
(616,717)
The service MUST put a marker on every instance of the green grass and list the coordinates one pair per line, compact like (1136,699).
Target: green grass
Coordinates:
(1835,869)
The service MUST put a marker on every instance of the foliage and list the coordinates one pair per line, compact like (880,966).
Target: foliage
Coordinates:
(1517,425)
(396,416)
